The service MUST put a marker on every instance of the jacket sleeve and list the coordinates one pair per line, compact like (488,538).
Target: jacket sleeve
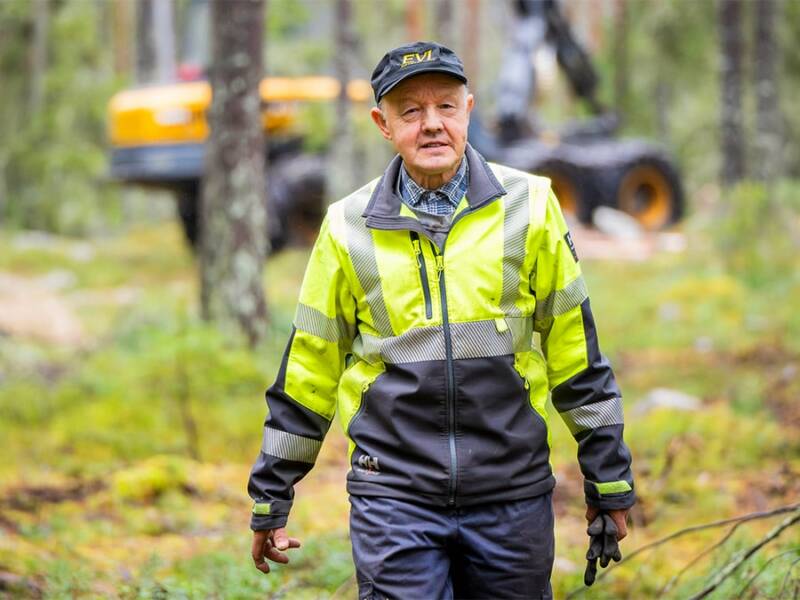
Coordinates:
(302,401)
(582,384)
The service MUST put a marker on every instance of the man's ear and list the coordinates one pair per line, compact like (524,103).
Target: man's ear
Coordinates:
(470,103)
(377,116)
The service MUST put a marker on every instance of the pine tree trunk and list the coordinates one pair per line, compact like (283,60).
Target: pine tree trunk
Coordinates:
(145,42)
(768,140)
(732,126)
(233,240)
(341,171)
(164,40)
(445,33)
(121,17)
(38,54)
(620,56)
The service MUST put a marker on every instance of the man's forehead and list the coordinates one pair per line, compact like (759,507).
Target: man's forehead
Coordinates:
(426,84)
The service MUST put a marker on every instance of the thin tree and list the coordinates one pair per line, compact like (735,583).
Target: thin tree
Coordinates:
(445,32)
(342,173)
(729,16)
(768,140)
(38,54)
(233,229)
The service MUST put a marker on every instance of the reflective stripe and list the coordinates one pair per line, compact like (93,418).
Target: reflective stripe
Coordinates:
(474,339)
(591,416)
(289,446)
(612,487)
(312,321)
(262,508)
(561,301)
(362,255)
(515,234)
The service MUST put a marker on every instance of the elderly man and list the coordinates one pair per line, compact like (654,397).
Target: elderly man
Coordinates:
(440,305)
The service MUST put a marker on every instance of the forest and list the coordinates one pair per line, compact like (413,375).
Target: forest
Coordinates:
(133,360)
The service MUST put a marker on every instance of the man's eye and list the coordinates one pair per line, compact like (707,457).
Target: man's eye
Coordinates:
(409,111)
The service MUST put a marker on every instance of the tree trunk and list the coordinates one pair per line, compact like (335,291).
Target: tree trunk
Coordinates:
(621,56)
(233,240)
(341,168)
(164,40)
(732,127)
(414,20)
(445,32)
(121,11)
(38,54)
(768,141)
(145,42)
(471,44)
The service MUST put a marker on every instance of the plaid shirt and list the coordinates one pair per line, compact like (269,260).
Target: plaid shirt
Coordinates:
(441,201)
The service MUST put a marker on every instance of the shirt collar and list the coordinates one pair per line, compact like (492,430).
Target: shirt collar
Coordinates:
(412,193)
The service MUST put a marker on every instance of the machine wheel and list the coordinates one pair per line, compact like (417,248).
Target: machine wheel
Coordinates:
(568,188)
(189,212)
(295,202)
(650,191)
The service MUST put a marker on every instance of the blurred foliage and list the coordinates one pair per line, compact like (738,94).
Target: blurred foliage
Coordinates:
(52,160)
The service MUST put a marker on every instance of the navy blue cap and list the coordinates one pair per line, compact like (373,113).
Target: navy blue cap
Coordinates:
(414,59)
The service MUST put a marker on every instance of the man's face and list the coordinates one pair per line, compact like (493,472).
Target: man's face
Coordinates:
(426,118)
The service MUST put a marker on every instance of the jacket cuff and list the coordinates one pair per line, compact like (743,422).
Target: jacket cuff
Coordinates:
(614,495)
(270,515)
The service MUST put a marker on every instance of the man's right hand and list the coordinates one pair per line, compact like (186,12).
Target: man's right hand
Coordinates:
(268,543)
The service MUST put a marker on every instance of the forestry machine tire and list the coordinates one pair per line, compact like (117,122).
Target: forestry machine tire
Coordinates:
(649,189)
(188,201)
(569,187)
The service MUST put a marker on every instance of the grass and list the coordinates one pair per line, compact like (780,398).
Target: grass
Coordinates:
(100,494)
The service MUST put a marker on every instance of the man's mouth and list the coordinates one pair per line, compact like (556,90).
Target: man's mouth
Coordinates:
(434,145)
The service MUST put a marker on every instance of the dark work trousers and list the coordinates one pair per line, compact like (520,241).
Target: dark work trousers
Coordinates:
(410,551)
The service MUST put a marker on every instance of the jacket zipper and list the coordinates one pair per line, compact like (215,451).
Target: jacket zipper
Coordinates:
(451,383)
(423,273)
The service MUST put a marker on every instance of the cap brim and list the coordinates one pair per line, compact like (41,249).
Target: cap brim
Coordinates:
(420,71)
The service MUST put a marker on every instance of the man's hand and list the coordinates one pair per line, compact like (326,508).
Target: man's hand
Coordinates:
(606,528)
(618,516)
(268,543)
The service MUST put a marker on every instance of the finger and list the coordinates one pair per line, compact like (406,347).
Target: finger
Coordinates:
(622,526)
(280,539)
(277,556)
(260,540)
(595,548)
(596,526)
(590,573)
(617,556)
(294,543)
(257,549)
(591,513)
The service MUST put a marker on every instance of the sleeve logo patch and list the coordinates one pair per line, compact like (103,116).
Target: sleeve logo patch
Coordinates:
(568,239)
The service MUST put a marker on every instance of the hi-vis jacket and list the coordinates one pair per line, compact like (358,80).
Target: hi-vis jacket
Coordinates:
(441,358)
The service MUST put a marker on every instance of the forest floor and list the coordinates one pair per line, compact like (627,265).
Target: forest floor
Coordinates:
(128,427)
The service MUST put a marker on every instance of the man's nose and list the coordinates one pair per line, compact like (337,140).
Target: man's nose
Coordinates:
(431,120)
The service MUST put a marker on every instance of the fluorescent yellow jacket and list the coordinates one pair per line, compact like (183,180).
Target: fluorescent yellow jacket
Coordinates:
(440,359)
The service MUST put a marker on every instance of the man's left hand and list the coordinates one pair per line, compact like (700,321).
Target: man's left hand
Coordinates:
(618,516)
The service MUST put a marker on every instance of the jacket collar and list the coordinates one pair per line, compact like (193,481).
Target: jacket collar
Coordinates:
(383,208)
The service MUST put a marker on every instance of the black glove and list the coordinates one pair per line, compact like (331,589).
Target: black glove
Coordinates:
(602,544)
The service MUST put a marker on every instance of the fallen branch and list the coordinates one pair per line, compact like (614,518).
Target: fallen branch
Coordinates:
(686,531)
(764,568)
(740,559)
(669,585)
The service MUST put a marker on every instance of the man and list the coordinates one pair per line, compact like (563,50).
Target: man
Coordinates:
(440,304)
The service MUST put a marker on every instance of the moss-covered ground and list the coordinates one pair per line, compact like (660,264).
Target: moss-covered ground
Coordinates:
(126,453)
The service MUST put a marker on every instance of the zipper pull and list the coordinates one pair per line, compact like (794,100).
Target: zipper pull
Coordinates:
(417,248)
(439,263)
